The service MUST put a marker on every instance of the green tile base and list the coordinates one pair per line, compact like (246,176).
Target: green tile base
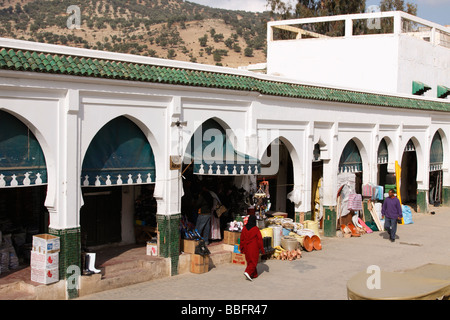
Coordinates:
(69,255)
(169,238)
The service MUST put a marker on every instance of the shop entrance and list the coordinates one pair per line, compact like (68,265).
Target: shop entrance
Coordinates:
(100,215)
(408,187)
(435,169)
(23,189)
(118,165)
(281,181)
(213,166)
(316,185)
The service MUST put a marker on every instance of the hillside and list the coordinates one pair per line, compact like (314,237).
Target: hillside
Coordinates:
(173,29)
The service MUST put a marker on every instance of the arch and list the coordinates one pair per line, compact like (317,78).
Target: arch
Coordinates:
(353,157)
(22,159)
(231,134)
(411,170)
(287,183)
(413,141)
(296,162)
(436,152)
(119,153)
(212,152)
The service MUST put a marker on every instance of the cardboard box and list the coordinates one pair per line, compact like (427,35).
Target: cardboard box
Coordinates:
(238,258)
(188,246)
(152,249)
(46,243)
(44,275)
(230,237)
(44,260)
(199,264)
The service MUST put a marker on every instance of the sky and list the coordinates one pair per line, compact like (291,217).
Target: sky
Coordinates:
(437,11)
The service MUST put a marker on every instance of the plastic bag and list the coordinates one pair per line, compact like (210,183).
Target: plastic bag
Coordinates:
(295,195)
(407,215)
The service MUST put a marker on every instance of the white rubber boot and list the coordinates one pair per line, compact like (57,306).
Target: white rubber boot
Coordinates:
(91,261)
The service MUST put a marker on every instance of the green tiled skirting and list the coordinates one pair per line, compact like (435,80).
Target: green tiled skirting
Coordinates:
(329,224)
(70,253)
(169,238)
(422,204)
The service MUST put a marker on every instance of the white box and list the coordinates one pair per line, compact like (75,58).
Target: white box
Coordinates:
(44,260)
(152,249)
(45,276)
(46,243)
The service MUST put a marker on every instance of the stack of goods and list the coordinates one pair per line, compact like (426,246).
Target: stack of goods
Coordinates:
(283,254)
(235,226)
(294,236)
(188,231)
(45,259)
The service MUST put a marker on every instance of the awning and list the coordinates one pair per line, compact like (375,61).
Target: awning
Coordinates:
(436,153)
(350,160)
(419,88)
(383,154)
(442,92)
(22,161)
(119,154)
(212,153)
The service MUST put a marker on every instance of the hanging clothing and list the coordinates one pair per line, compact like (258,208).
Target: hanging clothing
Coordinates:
(215,228)
(251,244)
(215,221)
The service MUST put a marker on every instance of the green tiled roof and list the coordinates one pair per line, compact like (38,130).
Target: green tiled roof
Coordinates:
(18,60)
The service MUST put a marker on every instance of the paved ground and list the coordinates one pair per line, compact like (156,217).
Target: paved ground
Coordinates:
(318,275)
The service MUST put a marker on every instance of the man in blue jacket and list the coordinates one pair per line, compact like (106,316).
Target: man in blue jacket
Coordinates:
(392,212)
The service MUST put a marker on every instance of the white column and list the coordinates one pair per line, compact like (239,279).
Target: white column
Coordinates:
(65,210)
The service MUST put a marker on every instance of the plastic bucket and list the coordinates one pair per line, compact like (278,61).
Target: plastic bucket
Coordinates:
(268,232)
(312,225)
(277,234)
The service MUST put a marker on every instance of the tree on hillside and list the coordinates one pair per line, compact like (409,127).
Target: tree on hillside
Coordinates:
(398,5)
(319,8)
(315,8)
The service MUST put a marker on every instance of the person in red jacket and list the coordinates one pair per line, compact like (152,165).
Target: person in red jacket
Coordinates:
(251,244)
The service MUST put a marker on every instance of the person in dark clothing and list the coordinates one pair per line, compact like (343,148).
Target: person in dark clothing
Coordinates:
(251,245)
(392,212)
(205,206)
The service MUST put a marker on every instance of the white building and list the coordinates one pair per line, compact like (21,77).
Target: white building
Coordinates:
(381,52)
(69,109)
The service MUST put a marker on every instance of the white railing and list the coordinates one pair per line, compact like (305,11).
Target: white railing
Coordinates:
(392,22)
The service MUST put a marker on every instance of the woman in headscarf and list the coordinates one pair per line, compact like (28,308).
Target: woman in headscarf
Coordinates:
(251,244)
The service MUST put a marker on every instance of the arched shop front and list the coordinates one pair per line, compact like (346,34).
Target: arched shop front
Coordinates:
(280,176)
(211,160)
(349,183)
(23,188)
(118,176)
(350,162)
(435,169)
(408,185)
